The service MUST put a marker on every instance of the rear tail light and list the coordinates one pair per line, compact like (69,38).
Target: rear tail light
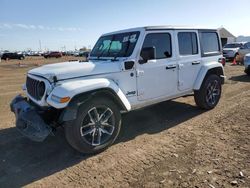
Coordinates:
(222,60)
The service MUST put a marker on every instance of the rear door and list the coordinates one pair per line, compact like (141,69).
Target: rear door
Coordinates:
(189,60)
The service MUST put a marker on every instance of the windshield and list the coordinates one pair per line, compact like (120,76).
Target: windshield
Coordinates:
(117,45)
(233,45)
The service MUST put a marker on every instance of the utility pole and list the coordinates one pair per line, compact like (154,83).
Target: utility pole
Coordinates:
(40,45)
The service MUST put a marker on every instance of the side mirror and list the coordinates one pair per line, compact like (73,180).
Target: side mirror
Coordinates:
(147,54)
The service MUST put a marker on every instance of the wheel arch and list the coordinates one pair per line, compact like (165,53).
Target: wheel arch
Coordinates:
(213,68)
(82,90)
(70,112)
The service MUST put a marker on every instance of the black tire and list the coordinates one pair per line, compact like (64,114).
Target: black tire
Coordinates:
(75,130)
(203,97)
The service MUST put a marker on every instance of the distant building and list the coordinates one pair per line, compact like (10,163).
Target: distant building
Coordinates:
(226,36)
(243,39)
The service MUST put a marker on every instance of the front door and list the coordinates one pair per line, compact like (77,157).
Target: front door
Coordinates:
(158,77)
(189,60)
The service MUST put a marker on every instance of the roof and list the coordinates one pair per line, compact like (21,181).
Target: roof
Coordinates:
(176,27)
(225,33)
(164,27)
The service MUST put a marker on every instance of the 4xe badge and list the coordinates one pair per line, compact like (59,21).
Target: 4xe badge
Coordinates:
(130,93)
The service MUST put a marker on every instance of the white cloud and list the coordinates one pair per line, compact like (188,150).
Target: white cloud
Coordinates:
(40,27)
(22,26)
(32,27)
(37,27)
(5,26)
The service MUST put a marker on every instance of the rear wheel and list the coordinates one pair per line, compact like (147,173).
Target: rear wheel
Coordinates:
(210,92)
(96,127)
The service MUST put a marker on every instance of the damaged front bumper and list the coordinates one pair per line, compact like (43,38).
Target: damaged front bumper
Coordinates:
(28,120)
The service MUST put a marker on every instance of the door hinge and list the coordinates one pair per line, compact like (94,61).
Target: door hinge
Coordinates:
(180,83)
(140,93)
(180,66)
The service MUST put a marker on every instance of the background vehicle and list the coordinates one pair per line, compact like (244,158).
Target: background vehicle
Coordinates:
(84,54)
(245,49)
(230,51)
(9,55)
(247,64)
(127,70)
(53,54)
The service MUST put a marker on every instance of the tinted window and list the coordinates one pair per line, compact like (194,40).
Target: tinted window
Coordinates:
(161,42)
(210,42)
(187,43)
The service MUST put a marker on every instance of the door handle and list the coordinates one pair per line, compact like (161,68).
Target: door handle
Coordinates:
(196,62)
(171,67)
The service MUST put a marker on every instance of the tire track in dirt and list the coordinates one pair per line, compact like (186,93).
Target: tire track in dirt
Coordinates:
(178,128)
(124,165)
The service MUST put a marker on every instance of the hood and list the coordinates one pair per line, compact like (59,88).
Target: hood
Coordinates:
(75,69)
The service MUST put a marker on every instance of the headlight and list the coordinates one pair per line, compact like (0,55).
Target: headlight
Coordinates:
(60,99)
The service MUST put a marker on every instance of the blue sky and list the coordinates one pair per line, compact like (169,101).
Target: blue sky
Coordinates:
(77,23)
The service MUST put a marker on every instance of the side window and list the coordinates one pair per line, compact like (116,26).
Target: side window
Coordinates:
(210,43)
(187,43)
(161,42)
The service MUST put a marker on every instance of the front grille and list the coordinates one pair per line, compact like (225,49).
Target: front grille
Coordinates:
(35,88)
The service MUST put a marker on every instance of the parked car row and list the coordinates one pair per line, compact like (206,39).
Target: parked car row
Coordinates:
(52,54)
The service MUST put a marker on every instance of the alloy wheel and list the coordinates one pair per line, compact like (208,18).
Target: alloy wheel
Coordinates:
(98,125)
(213,92)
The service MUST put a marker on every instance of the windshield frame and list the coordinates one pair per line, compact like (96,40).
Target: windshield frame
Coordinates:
(125,51)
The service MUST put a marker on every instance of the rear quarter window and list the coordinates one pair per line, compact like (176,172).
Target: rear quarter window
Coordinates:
(210,43)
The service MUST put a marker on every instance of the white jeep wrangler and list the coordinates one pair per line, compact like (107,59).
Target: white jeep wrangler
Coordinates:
(126,70)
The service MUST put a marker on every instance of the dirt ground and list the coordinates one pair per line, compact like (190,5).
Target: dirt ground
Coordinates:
(172,144)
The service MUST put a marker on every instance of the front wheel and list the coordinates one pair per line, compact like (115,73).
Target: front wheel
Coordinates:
(208,96)
(96,127)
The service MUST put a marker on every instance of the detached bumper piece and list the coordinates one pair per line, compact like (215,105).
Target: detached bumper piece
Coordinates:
(28,121)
